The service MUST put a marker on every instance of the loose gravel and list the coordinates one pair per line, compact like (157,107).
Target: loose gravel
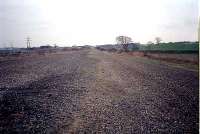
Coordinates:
(90,91)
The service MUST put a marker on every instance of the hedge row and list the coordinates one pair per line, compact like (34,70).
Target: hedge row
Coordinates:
(170,47)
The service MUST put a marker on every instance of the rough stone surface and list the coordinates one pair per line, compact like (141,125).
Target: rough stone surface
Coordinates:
(90,91)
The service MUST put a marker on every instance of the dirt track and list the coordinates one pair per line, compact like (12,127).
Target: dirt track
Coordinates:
(90,91)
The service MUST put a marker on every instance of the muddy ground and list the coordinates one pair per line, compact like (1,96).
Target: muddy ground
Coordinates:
(90,91)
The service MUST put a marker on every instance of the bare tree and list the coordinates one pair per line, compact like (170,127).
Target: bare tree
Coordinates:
(158,40)
(124,41)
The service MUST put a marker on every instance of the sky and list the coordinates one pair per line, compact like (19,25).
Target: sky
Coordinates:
(96,22)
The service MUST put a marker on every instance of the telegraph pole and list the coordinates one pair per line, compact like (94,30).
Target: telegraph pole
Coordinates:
(28,42)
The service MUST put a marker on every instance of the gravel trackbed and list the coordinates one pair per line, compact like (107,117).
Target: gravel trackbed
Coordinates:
(90,91)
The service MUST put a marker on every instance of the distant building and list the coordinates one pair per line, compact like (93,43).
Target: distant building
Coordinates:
(47,46)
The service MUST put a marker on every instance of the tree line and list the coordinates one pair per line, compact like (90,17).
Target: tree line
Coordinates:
(125,41)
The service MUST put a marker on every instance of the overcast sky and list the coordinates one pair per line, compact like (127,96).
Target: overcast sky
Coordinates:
(95,22)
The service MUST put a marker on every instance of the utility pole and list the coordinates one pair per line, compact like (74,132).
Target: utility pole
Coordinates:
(28,42)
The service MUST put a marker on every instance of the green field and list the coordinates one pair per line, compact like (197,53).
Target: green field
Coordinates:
(182,47)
